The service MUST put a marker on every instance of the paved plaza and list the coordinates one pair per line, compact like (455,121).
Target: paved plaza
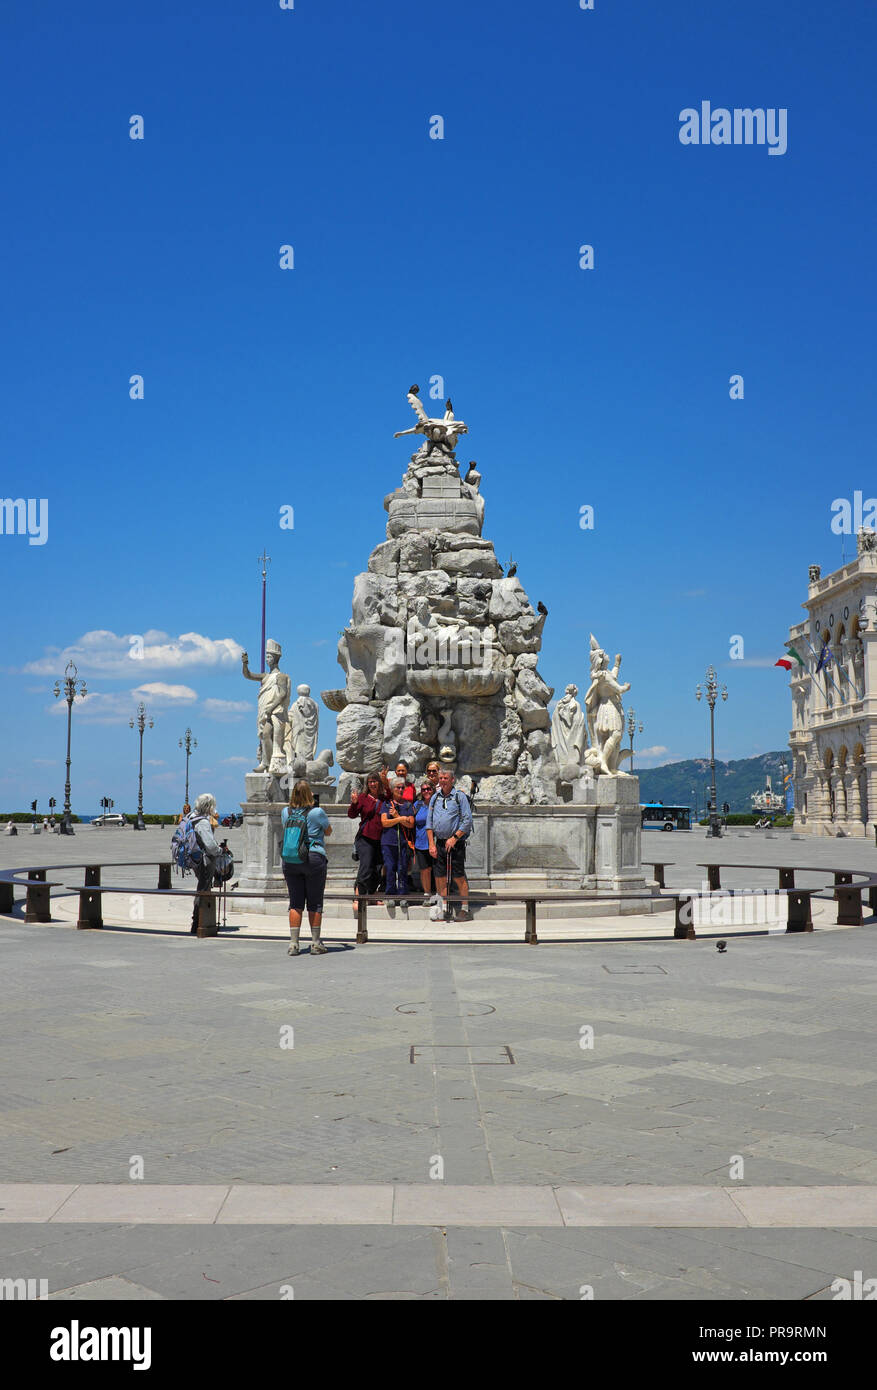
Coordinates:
(646,1120)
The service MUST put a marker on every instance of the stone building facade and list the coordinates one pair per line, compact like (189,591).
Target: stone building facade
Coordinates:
(834,711)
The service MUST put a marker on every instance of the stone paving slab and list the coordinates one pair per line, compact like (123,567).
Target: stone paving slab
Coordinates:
(152,1044)
(438,1204)
(201,1263)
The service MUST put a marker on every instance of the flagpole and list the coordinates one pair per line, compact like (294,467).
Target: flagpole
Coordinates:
(828,672)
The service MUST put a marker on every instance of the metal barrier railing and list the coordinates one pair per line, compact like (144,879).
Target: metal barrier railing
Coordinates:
(38,888)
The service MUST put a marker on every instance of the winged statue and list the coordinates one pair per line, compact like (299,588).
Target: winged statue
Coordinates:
(444,431)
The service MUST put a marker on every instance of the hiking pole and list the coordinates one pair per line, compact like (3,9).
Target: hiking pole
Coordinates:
(448,908)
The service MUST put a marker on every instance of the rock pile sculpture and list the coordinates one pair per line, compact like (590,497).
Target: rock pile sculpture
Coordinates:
(441,651)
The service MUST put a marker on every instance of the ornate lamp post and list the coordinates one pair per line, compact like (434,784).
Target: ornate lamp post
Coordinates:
(632,729)
(141,723)
(188,742)
(70,692)
(712,695)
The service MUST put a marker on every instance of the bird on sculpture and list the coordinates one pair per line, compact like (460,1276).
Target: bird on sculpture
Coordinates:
(512,569)
(443,432)
(540,607)
(471,472)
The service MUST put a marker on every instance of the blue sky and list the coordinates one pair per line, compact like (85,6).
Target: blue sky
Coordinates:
(415,257)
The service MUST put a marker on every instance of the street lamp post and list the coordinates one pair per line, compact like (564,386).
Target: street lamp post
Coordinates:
(70,692)
(140,723)
(632,728)
(188,742)
(712,695)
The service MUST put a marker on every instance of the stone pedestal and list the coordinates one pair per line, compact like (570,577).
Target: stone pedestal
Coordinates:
(591,845)
(618,835)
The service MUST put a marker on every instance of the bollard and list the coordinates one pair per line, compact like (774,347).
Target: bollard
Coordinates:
(90,917)
(787,878)
(7,898)
(849,901)
(530,937)
(207,915)
(714,876)
(361,921)
(659,875)
(37,906)
(799,916)
(164,876)
(684,929)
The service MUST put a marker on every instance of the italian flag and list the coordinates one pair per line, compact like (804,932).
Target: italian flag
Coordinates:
(786,664)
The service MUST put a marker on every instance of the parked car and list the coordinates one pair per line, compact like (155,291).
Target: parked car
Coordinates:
(112,818)
(232,820)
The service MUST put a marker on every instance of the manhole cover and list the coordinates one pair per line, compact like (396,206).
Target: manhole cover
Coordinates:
(634,970)
(461,1054)
(473,1010)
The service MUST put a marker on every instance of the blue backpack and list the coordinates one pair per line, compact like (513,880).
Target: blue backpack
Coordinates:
(296,843)
(186,850)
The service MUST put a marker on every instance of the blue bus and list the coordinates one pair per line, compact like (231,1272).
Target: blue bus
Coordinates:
(657,816)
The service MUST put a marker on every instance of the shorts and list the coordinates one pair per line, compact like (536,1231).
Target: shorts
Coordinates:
(458,858)
(423,859)
(307,883)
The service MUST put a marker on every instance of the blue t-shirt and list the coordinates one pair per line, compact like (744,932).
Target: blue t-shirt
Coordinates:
(421,811)
(317,823)
(394,834)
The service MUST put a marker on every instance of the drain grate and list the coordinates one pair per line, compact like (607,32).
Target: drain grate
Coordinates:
(634,970)
(461,1055)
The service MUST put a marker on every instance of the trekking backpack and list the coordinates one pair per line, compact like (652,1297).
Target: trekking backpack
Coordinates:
(296,844)
(186,850)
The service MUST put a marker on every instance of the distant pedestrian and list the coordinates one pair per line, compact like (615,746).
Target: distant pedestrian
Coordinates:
(205,810)
(448,826)
(306,881)
(367,843)
(184,814)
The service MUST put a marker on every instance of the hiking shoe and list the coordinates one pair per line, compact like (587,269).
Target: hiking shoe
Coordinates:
(317,948)
(427,900)
(436,913)
(463,917)
(294,949)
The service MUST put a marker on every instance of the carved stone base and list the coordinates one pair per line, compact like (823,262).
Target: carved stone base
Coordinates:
(592,845)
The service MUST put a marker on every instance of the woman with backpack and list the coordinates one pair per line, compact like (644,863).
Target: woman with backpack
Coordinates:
(305,864)
(201,823)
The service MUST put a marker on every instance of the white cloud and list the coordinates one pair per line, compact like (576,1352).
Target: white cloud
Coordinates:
(226,710)
(103,653)
(118,706)
(159,690)
(223,761)
(654,752)
(45,762)
(155,762)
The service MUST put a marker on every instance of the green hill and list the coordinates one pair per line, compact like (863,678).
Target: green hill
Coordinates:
(676,783)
